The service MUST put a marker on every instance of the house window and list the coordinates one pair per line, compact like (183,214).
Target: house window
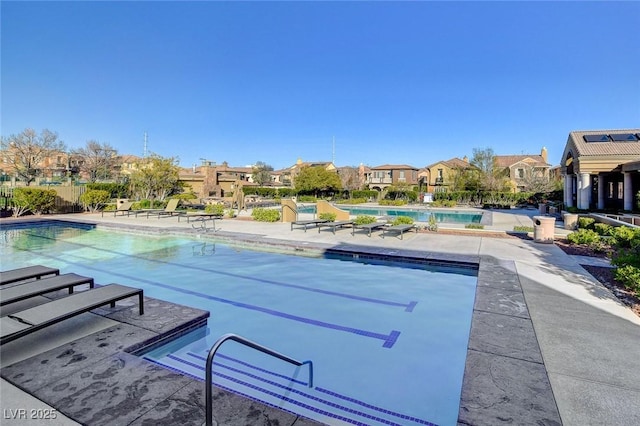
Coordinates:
(440,173)
(520,173)
(402,174)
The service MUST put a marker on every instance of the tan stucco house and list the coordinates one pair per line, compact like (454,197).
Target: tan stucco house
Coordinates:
(601,169)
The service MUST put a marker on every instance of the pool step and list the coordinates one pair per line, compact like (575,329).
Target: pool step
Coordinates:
(288,393)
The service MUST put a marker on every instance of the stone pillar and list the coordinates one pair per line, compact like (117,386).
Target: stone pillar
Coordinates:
(628,192)
(601,191)
(568,191)
(584,191)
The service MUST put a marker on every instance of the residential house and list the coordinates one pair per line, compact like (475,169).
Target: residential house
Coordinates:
(212,180)
(382,177)
(526,172)
(441,176)
(288,175)
(601,169)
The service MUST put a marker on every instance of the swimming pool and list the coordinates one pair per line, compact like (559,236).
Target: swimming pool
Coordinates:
(420,215)
(388,341)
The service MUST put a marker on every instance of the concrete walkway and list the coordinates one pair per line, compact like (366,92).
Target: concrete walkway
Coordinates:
(590,342)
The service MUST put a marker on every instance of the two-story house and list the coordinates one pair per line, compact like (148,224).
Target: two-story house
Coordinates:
(527,172)
(288,175)
(441,176)
(381,177)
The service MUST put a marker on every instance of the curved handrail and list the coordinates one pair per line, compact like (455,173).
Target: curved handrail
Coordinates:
(251,344)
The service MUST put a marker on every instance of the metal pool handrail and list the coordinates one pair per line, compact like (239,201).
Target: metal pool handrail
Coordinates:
(251,344)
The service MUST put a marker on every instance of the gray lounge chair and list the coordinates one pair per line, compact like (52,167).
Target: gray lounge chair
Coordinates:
(170,210)
(29,272)
(122,208)
(40,287)
(308,223)
(335,225)
(369,227)
(19,324)
(398,229)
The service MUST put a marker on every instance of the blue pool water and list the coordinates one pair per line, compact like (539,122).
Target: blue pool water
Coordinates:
(420,215)
(388,341)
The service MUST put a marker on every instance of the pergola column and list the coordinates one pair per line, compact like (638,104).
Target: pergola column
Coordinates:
(601,191)
(628,192)
(584,191)
(568,191)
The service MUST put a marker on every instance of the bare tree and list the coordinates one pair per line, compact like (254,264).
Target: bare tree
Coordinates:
(261,173)
(96,160)
(534,179)
(26,152)
(491,177)
(350,178)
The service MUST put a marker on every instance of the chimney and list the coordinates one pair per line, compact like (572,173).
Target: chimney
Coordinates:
(543,154)
(466,159)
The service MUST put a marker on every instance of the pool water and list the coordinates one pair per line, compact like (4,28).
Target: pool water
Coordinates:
(420,215)
(388,341)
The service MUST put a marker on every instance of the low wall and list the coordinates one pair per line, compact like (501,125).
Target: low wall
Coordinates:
(324,207)
(289,210)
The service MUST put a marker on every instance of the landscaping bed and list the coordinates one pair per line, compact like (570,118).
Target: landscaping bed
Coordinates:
(602,274)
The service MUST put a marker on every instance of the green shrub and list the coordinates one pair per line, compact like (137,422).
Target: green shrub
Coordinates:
(403,220)
(433,223)
(231,213)
(444,203)
(583,236)
(217,209)
(94,199)
(307,199)
(366,194)
(522,228)
(115,190)
(148,204)
(603,229)
(265,215)
(331,217)
(586,222)
(624,236)
(392,202)
(33,200)
(364,219)
(474,226)
(352,201)
(629,276)
(185,196)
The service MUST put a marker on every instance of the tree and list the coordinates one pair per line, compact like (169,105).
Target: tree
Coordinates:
(349,178)
(26,152)
(156,177)
(261,173)
(316,180)
(534,180)
(96,160)
(490,177)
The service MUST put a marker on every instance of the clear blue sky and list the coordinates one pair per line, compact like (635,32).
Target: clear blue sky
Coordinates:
(393,82)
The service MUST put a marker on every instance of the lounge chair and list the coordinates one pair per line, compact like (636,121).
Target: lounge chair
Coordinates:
(308,223)
(29,272)
(200,216)
(170,210)
(122,208)
(335,225)
(19,324)
(40,287)
(399,229)
(368,227)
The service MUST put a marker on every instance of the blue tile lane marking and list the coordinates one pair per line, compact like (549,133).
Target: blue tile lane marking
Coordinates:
(246,364)
(319,389)
(389,340)
(408,306)
(304,394)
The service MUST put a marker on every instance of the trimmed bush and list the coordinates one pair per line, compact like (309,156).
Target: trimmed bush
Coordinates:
(331,217)
(364,219)
(522,228)
(402,220)
(33,200)
(624,236)
(603,229)
(94,199)
(217,209)
(392,202)
(629,276)
(474,226)
(433,223)
(586,222)
(583,236)
(265,215)
(115,190)
(352,201)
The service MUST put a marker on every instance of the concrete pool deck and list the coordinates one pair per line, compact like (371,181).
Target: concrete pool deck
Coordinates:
(549,344)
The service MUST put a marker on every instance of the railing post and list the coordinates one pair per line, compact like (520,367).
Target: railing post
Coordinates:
(251,344)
